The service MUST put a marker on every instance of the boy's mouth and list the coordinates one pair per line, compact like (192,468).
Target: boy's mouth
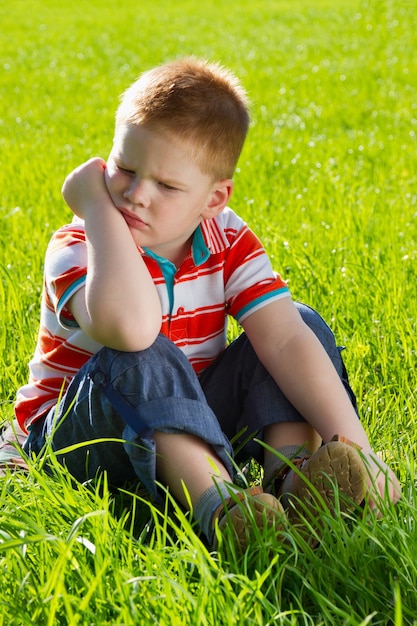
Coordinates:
(133,220)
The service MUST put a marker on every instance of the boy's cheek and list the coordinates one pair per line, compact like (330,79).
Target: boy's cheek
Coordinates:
(108,172)
(110,179)
(111,190)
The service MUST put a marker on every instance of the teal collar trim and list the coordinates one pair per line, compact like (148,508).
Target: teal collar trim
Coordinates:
(199,248)
(168,270)
(200,253)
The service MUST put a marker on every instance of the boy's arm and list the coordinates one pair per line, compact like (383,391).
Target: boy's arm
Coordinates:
(119,306)
(296,360)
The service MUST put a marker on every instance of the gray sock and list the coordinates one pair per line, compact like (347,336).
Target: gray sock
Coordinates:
(208,503)
(274,464)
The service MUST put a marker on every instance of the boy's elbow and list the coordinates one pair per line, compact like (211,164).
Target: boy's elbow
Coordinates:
(134,342)
(127,337)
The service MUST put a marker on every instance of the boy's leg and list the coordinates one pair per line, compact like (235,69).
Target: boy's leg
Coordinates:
(12,440)
(143,415)
(116,403)
(185,459)
(243,395)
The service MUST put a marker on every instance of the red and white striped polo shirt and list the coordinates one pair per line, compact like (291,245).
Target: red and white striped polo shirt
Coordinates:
(227,272)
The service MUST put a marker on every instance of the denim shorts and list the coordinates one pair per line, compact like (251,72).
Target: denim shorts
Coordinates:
(118,399)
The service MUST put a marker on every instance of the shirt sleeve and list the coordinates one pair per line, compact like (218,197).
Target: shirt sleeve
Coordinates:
(251,282)
(65,270)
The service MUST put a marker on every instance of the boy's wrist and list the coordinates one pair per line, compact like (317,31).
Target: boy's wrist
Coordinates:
(85,190)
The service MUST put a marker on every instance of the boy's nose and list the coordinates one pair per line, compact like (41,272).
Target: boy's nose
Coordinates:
(137,193)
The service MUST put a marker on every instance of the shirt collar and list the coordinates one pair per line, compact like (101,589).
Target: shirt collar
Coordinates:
(213,235)
(199,248)
(208,238)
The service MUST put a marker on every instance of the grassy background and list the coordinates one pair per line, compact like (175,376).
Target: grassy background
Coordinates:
(328,180)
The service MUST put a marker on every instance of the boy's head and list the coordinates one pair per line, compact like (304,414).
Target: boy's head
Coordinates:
(198,102)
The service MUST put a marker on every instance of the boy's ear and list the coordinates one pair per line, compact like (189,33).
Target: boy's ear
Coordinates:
(220,196)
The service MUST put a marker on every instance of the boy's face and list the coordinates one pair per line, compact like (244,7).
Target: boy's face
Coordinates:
(161,192)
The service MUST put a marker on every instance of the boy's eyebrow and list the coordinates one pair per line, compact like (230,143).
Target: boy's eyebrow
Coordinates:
(166,179)
(171,182)
(120,161)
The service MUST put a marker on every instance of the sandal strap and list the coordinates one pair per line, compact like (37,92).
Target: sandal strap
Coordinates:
(280,476)
(228,503)
(299,461)
(13,464)
(343,439)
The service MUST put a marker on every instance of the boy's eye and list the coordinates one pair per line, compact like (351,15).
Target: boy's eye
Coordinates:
(125,170)
(167,187)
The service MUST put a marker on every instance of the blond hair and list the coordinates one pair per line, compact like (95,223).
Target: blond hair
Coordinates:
(198,102)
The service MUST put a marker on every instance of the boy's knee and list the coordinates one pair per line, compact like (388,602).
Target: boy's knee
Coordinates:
(328,341)
(162,350)
(317,325)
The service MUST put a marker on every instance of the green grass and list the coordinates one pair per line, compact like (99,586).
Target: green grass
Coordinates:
(328,180)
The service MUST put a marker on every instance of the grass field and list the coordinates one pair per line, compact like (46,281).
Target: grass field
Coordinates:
(328,181)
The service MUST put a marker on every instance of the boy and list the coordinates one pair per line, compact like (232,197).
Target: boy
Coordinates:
(137,292)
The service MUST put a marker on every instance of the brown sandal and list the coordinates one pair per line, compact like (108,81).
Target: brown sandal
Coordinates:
(245,510)
(12,440)
(337,467)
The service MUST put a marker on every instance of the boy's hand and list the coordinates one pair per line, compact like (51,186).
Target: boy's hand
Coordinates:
(85,187)
(118,306)
(384,482)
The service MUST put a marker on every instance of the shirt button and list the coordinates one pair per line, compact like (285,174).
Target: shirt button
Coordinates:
(180,310)
(98,378)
